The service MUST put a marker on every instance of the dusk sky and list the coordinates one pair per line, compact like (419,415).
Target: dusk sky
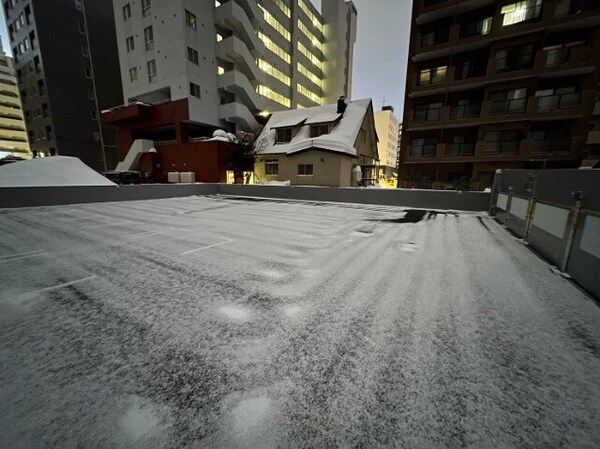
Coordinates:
(380,53)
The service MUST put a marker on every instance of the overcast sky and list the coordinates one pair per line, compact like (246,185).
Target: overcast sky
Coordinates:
(380,54)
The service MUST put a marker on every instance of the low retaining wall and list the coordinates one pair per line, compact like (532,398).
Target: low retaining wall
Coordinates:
(423,199)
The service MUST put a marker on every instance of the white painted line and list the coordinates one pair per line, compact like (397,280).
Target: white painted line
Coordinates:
(141,234)
(66,284)
(41,253)
(118,223)
(206,247)
(27,253)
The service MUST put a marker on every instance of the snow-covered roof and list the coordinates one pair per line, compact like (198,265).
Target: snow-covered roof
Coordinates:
(340,140)
(50,171)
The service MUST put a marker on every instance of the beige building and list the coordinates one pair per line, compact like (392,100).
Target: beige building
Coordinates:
(319,146)
(387,126)
(13,135)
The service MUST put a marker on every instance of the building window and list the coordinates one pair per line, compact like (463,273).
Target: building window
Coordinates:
(42,86)
(88,73)
(502,142)
(81,27)
(149,38)
(130,43)
(271,167)
(194,90)
(94,114)
(550,141)
(464,108)
(471,68)
(557,98)
(318,130)
(461,146)
(511,101)
(433,75)
(515,58)
(146,4)
(435,37)
(284,135)
(478,28)
(424,147)
(49,135)
(133,74)
(569,52)
(152,71)
(84,51)
(427,112)
(127,11)
(521,12)
(190,20)
(45,110)
(305,169)
(192,55)
(275,73)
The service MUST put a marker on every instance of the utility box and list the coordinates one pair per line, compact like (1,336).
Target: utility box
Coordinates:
(188,177)
(173,177)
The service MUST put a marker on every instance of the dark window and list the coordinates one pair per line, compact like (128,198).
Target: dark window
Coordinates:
(424,147)
(557,98)
(194,90)
(284,135)
(192,55)
(305,169)
(190,20)
(550,141)
(272,167)
(515,58)
(509,101)
(149,38)
(461,146)
(126,11)
(146,7)
(435,37)
(477,28)
(464,108)
(471,69)
(427,112)
(319,130)
(502,142)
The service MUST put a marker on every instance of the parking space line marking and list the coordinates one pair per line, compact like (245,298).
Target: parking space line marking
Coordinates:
(27,253)
(67,284)
(206,247)
(106,225)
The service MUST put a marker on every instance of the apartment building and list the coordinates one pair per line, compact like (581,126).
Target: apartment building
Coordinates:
(500,84)
(68,70)
(13,134)
(228,63)
(388,128)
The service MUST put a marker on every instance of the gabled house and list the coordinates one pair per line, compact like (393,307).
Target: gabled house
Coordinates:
(319,146)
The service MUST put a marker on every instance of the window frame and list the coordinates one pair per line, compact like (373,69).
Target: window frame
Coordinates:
(272,167)
(282,135)
(306,169)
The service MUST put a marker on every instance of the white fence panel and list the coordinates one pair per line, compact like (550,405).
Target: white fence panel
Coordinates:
(502,201)
(590,239)
(551,219)
(518,207)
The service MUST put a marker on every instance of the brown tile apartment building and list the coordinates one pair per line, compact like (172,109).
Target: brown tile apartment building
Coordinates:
(500,84)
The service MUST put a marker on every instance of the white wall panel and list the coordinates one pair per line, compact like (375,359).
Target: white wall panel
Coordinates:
(551,219)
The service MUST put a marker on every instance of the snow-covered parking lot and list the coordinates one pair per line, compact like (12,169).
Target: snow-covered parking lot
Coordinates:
(219,322)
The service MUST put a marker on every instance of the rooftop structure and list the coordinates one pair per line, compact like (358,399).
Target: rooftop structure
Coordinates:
(216,322)
(500,84)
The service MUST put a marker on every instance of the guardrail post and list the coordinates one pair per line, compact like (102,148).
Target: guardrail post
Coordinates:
(508,204)
(530,188)
(572,227)
(496,189)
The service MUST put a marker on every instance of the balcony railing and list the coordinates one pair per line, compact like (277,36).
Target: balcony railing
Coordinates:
(551,146)
(557,102)
(566,54)
(460,149)
(465,111)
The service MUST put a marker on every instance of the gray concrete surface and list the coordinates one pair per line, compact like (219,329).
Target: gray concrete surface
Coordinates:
(210,322)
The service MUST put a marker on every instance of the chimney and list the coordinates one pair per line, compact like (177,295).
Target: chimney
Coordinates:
(341,105)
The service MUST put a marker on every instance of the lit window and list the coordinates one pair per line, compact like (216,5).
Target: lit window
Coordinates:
(272,95)
(311,57)
(284,8)
(217,3)
(190,20)
(313,18)
(273,47)
(311,37)
(305,169)
(521,11)
(271,167)
(433,75)
(311,76)
(308,94)
(275,73)
(221,70)
(276,24)
(219,37)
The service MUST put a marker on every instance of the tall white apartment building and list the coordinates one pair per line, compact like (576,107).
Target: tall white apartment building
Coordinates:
(388,128)
(234,60)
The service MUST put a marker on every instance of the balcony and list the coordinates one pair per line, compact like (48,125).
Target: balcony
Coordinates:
(596,110)
(238,84)
(232,16)
(240,114)
(593,138)
(466,149)
(233,49)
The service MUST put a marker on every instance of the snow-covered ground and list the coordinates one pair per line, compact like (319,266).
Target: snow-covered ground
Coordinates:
(217,322)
